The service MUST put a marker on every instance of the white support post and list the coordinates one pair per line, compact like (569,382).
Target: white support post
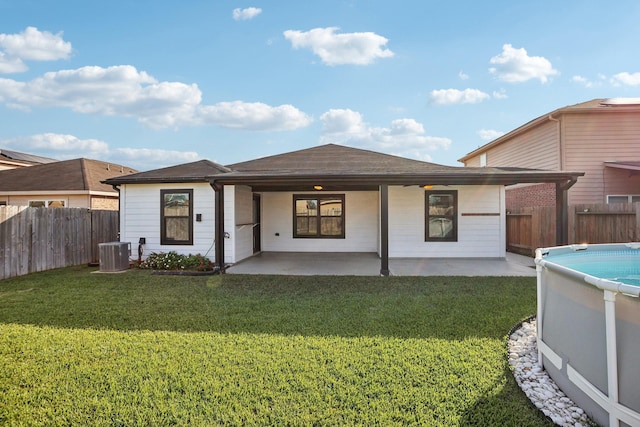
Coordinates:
(612,355)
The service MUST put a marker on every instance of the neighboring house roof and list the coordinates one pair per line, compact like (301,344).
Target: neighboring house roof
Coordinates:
(598,106)
(22,159)
(68,175)
(341,167)
(199,171)
(634,166)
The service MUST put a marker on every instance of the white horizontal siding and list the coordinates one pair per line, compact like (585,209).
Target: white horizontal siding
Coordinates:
(361,225)
(243,224)
(140,217)
(478,236)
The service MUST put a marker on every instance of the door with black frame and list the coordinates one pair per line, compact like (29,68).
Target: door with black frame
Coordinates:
(256,224)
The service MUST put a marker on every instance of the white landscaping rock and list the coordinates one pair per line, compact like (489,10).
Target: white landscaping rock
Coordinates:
(536,384)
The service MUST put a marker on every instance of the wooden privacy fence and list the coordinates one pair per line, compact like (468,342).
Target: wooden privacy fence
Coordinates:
(531,228)
(38,239)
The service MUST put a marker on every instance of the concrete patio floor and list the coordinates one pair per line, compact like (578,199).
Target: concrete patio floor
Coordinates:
(368,264)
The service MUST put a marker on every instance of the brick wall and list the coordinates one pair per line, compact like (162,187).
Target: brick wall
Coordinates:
(104,203)
(533,195)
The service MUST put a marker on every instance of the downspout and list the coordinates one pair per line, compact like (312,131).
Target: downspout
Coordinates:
(219,224)
(560,141)
(117,189)
(562,198)
(562,211)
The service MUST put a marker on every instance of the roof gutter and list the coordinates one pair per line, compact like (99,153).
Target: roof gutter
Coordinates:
(406,179)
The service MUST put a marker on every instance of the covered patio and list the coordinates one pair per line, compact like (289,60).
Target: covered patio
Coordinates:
(399,185)
(368,264)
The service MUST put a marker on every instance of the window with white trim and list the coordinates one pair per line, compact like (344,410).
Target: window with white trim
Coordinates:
(46,203)
(623,199)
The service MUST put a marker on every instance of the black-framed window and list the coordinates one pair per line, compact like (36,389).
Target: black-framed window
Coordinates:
(176,217)
(317,216)
(441,215)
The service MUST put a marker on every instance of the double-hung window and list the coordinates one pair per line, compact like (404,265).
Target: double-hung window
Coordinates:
(441,222)
(318,216)
(46,203)
(176,217)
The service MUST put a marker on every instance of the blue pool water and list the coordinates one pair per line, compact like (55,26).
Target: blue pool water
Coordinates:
(618,265)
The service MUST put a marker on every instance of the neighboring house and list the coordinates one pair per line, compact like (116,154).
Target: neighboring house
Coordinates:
(13,159)
(600,137)
(70,183)
(327,198)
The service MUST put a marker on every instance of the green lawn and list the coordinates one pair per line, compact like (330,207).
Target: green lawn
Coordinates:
(128,349)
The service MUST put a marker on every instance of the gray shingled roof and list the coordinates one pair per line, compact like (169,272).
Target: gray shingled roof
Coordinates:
(199,171)
(24,157)
(66,175)
(336,160)
(336,166)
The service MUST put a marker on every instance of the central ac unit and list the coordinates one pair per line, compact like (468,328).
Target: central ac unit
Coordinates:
(114,256)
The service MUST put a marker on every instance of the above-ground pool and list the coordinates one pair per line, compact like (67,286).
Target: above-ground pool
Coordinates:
(589,327)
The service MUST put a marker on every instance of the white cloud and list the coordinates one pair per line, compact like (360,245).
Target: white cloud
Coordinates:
(126,92)
(343,121)
(626,79)
(500,94)
(64,147)
(404,137)
(463,76)
(31,45)
(584,82)
(489,134)
(253,116)
(455,96)
(516,66)
(338,49)
(151,158)
(246,14)
(10,64)
(59,146)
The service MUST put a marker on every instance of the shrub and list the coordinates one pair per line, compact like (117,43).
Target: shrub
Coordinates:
(175,261)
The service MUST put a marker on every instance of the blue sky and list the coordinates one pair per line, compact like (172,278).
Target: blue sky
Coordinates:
(156,83)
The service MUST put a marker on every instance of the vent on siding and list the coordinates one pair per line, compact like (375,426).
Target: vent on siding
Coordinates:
(114,256)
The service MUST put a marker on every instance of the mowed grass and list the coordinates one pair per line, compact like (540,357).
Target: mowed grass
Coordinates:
(78,348)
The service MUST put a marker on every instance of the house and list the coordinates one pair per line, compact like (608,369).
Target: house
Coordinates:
(328,198)
(13,159)
(73,183)
(600,137)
